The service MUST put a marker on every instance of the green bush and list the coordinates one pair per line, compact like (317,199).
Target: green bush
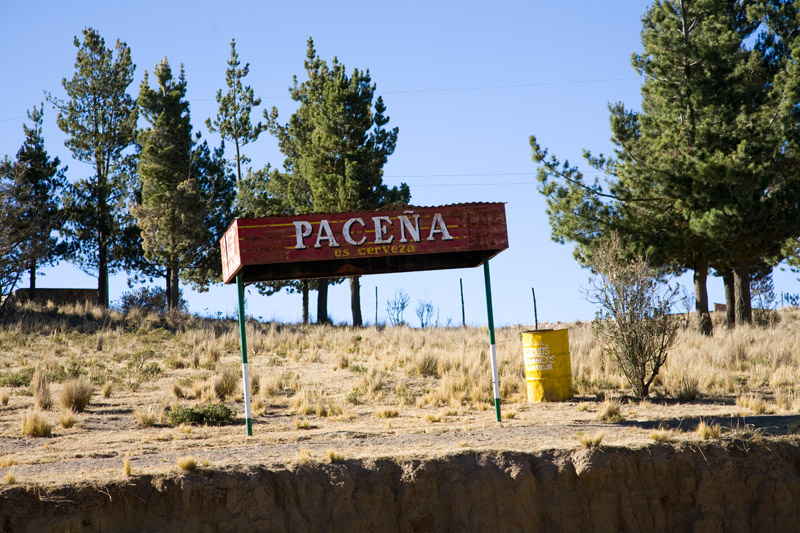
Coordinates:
(21,378)
(217,414)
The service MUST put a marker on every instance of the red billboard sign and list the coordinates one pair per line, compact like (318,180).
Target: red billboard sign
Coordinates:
(368,242)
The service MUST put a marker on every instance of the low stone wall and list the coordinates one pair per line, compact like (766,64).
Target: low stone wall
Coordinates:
(736,486)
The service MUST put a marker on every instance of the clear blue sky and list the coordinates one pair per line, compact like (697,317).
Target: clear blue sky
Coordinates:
(466,83)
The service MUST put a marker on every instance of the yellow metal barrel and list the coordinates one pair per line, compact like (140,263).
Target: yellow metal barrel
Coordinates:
(548,373)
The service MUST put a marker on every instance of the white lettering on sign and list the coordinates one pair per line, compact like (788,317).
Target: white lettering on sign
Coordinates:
(413,231)
(380,230)
(384,233)
(537,357)
(326,233)
(346,232)
(437,219)
(302,229)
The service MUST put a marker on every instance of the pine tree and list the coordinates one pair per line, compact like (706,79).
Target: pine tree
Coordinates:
(217,189)
(39,184)
(703,174)
(170,213)
(336,142)
(99,118)
(15,234)
(269,192)
(235,106)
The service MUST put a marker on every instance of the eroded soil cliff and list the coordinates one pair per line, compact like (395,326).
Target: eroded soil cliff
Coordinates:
(724,486)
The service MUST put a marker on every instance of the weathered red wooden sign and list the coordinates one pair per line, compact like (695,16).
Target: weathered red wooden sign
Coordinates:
(368,242)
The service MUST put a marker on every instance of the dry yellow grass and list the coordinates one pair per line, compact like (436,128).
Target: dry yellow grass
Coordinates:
(34,424)
(708,431)
(76,394)
(187,463)
(336,457)
(145,417)
(591,441)
(343,380)
(68,419)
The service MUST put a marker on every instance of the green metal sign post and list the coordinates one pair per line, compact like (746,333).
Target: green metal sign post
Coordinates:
(245,375)
(495,381)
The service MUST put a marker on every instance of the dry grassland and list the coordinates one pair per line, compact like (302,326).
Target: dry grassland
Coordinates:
(328,393)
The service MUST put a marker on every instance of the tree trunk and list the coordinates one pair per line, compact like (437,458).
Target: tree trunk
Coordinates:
(102,237)
(102,273)
(174,289)
(33,275)
(741,285)
(168,288)
(355,301)
(322,302)
(730,302)
(704,325)
(304,290)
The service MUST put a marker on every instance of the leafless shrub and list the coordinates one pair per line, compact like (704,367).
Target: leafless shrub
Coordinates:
(424,313)
(634,323)
(396,307)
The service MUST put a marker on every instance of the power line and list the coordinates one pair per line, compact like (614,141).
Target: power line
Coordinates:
(440,90)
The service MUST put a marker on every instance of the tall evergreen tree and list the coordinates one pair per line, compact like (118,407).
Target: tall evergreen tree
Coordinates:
(337,143)
(170,213)
(99,118)
(269,192)
(39,184)
(15,234)
(702,175)
(235,106)
(217,189)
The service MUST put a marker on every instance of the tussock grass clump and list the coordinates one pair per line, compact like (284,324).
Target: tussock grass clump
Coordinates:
(226,385)
(591,441)
(41,390)
(4,398)
(7,461)
(755,403)
(426,364)
(387,412)
(76,394)
(145,417)
(177,390)
(355,396)
(708,431)
(107,389)
(68,419)
(9,478)
(34,424)
(660,435)
(187,463)
(255,383)
(126,467)
(611,411)
(336,457)
(303,457)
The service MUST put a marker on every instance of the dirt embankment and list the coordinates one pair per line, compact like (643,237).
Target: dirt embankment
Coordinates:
(733,486)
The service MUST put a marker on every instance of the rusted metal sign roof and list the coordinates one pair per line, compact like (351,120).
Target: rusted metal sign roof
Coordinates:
(368,242)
